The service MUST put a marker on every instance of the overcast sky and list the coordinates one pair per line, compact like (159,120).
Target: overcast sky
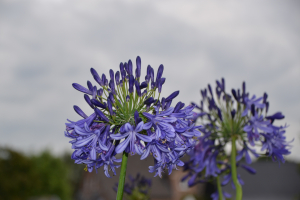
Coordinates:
(46,45)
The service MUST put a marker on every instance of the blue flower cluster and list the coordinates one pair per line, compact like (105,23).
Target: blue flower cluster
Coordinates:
(137,188)
(128,117)
(226,116)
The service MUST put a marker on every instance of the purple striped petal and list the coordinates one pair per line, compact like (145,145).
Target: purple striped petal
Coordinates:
(147,125)
(145,138)
(119,136)
(139,127)
(145,154)
(122,146)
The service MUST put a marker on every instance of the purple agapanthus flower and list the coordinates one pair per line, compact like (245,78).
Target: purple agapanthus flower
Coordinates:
(161,122)
(128,116)
(132,133)
(227,121)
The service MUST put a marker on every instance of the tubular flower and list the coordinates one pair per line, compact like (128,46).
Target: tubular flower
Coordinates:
(230,119)
(129,116)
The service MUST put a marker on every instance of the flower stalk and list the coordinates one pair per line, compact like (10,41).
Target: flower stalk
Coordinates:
(239,192)
(219,188)
(122,176)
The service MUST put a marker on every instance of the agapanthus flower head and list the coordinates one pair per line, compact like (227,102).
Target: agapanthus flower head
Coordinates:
(229,118)
(129,115)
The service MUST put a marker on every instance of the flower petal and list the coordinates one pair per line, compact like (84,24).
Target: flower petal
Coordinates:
(145,138)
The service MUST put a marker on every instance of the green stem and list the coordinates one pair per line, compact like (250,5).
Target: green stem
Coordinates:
(238,187)
(219,188)
(122,176)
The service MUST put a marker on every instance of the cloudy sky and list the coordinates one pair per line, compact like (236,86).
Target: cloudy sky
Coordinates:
(46,45)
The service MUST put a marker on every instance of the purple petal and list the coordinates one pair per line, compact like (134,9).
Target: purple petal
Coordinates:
(145,154)
(147,125)
(128,127)
(145,138)
(122,146)
(119,136)
(139,127)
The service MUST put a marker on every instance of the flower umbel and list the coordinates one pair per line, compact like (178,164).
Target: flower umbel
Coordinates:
(127,109)
(238,120)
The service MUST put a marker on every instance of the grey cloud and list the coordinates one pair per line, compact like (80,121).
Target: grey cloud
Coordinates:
(46,46)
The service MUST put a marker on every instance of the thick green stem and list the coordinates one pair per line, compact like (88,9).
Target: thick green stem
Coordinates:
(238,187)
(122,176)
(219,188)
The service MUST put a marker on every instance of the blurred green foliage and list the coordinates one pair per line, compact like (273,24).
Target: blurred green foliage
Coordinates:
(24,177)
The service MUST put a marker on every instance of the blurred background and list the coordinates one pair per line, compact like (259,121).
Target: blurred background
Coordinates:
(46,45)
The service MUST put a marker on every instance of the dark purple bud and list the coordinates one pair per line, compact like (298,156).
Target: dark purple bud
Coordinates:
(277,115)
(233,112)
(96,77)
(234,94)
(81,88)
(94,91)
(112,86)
(244,88)
(98,104)
(129,67)
(220,114)
(267,106)
(149,71)
(253,109)
(137,88)
(121,83)
(152,85)
(112,74)
(203,93)
(131,83)
(172,96)
(117,76)
(127,98)
(152,74)
(159,85)
(80,112)
(168,104)
(178,107)
(111,97)
(223,83)
(126,67)
(110,107)
(106,82)
(210,91)
(163,80)
(159,72)
(101,115)
(138,67)
(249,169)
(123,73)
(143,85)
(149,101)
(147,78)
(100,92)
(88,100)
(163,102)
(265,97)
(104,79)
(144,92)
(137,117)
